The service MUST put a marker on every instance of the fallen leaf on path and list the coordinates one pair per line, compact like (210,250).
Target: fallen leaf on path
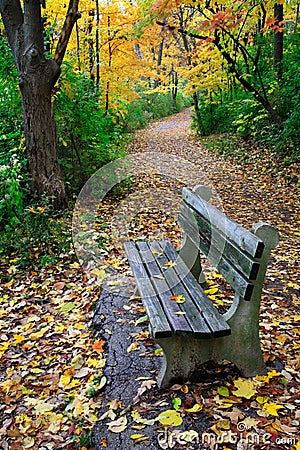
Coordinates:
(118,426)
(170,417)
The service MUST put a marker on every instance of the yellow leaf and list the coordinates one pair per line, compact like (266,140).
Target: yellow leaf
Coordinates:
(196,408)
(4,346)
(38,334)
(97,363)
(297,446)
(36,370)
(77,362)
(170,264)
(100,273)
(42,407)
(170,417)
(159,352)
(261,400)
(115,404)
(19,338)
(136,416)
(133,347)
(64,380)
(178,298)
(138,438)
(184,388)
(274,373)
(212,290)
(245,388)
(80,326)
(272,408)
(93,418)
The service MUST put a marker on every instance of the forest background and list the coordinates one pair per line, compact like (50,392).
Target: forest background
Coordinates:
(127,63)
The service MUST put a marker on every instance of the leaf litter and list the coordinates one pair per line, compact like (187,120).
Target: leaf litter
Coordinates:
(52,362)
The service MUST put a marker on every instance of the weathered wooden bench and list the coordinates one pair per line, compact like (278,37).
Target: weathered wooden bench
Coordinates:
(183,320)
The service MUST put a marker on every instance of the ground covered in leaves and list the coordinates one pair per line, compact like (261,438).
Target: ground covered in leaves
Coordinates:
(53,363)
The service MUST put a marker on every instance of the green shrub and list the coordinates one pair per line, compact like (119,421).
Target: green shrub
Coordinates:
(13,171)
(41,238)
(152,106)
(88,137)
(251,117)
(11,192)
(213,118)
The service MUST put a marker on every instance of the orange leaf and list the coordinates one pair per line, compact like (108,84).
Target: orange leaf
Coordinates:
(98,346)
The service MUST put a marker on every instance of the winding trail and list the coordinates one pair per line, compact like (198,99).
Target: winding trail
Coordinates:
(246,195)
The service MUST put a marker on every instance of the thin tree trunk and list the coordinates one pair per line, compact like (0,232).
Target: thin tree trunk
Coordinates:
(159,61)
(97,44)
(278,40)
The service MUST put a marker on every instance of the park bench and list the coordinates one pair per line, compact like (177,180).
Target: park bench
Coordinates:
(182,319)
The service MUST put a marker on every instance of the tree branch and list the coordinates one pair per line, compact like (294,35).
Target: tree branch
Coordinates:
(71,18)
(33,27)
(233,68)
(12,17)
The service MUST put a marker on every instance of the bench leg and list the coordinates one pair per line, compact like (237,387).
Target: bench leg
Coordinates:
(183,355)
(242,347)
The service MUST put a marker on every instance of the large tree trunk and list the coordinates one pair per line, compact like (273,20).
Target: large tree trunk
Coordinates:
(36,82)
(37,77)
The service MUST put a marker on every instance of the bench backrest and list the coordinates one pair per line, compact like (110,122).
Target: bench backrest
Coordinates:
(234,251)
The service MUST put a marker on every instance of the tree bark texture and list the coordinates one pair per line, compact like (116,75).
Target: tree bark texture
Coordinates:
(37,77)
(36,82)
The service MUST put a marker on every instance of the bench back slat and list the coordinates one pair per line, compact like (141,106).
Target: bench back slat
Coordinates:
(243,239)
(205,233)
(240,284)
(189,307)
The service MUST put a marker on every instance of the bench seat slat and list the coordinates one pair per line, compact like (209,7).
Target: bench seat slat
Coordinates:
(213,318)
(216,322)
(171,309)
(193,311)
(159,323)
(236,233)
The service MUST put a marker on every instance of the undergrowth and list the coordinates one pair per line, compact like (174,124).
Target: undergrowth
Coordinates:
(261,158)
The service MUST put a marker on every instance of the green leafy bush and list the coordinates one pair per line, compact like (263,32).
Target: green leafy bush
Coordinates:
(152,106)
(11,192)
(13,173)
(41,238)
(213,118)
(88,137)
